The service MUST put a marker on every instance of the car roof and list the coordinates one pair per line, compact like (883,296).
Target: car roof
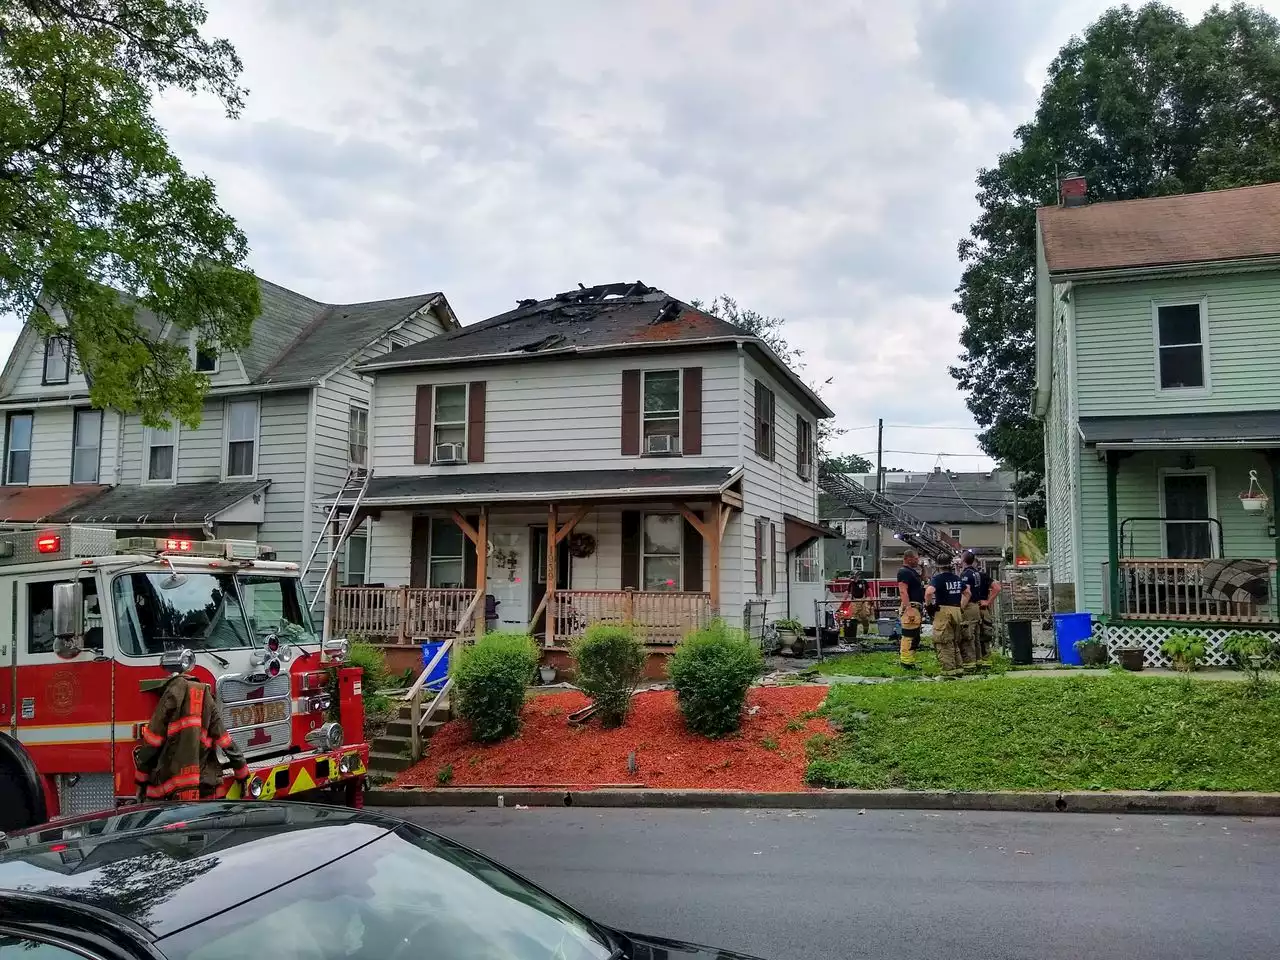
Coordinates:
(165,867)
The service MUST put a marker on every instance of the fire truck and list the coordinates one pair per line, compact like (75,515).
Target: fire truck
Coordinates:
(92,626)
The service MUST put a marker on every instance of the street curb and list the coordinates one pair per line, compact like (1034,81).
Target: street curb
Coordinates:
(1204,804)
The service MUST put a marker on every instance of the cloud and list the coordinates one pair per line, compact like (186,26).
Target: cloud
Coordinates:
(815,161)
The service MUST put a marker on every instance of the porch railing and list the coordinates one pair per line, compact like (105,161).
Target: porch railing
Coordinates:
(400,613)
(662,617)
(1165,589)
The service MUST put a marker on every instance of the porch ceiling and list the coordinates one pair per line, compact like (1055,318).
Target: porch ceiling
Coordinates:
(1257,428)
(550,486)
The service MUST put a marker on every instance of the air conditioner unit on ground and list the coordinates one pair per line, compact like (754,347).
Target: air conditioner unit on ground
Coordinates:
(660,443)
(448,453)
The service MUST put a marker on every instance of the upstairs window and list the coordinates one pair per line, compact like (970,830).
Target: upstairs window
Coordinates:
(86,446)
(162,449)
(17,461)
(203,359)
(661,417)
(358,436)
(242,438)
(1181,346)
(764,421)
(57,361)
(449,438)
(804,448)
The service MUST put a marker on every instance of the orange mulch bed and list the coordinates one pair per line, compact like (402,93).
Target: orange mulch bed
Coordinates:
(767,753)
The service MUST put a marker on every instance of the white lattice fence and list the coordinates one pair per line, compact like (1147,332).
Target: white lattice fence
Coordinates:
(1150,639)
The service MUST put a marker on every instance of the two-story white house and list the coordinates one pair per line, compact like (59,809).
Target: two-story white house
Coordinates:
(1158,379)
(611,453)
(283,422)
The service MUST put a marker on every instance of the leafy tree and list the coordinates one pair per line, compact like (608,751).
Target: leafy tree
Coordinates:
(1143,104)
(847,463)
(91,197)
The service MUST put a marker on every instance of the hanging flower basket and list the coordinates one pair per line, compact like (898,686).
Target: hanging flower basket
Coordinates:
(1255,499)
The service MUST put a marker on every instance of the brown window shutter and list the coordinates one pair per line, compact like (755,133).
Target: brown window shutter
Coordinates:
(422,425)
(475,421)
(759,417)
(693,556)
(418,545)
(691,415)
(631,550)
(773,558)
(631,413)
(759,557)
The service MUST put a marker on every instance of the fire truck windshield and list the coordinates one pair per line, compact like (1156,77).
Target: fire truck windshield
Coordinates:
(211,611)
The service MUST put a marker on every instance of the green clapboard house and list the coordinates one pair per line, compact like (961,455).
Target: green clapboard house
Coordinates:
(1158,380)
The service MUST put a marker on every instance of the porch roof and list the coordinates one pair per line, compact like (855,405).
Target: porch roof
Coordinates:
(177,504)
(544,486)
(1257,428)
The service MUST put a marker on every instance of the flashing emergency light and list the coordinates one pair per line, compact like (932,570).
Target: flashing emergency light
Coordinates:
(177,546)
(48,543)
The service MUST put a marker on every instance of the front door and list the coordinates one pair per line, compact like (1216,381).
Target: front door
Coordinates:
(538,573)
(61,708)
(1189,534)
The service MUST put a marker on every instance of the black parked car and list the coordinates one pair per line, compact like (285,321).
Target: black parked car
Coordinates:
(281,881)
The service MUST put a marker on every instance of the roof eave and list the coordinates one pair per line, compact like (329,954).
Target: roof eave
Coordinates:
(1159,270)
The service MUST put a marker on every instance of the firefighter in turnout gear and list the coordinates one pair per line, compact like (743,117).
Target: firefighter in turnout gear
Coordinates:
(856,611)
(911,598)
(970,642)
(178,756)
(946,597)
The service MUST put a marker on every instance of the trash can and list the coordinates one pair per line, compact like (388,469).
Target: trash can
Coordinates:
(436,679)
(1068,628)
(1020,642)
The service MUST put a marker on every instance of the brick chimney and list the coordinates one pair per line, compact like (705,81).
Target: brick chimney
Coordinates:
(1074,190)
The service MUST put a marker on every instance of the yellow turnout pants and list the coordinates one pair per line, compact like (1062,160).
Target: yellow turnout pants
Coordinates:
(947,627)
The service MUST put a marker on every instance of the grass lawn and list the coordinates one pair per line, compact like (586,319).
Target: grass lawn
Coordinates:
(880,664)
(1117,732)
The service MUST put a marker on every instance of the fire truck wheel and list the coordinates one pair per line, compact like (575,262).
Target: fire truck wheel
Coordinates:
(15,803)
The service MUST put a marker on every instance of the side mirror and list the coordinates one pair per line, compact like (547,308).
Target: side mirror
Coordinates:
(68,610)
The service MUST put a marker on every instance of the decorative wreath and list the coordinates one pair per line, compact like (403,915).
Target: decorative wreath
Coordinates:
(581,545)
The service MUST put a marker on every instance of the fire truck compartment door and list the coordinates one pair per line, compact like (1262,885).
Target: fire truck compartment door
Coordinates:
(62,705)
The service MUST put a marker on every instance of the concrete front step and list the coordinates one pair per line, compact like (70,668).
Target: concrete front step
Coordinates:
(380,761)
(395,743)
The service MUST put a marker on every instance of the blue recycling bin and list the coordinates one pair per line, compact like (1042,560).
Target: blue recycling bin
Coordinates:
(1068,628)
(436,679)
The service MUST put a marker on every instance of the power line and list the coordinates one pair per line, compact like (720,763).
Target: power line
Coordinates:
(932,426)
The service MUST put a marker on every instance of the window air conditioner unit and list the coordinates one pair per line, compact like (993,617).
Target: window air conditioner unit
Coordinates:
(660,443)
(448,453)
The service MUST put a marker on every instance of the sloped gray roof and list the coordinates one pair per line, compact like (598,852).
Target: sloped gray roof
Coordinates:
(942,498)
(182,503)
(1251,425)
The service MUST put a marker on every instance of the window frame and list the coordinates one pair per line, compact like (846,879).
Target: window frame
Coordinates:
(808,554)
(8,438)
(451,424)
(1211,492)
(227,440)
(363,536)
(432,559)
(766,431)
(1206,367)
(66,354)
(193,352)
(147,444)
(805,452)
(679,554)
(352,410)
(76,447)
(678,417)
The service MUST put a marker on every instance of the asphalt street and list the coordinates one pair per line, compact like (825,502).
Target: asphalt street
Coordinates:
(817,885)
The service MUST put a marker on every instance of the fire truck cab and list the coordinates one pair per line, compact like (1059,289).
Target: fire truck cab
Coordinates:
(86,620)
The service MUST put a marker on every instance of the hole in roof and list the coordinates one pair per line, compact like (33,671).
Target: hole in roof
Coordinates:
(554,340)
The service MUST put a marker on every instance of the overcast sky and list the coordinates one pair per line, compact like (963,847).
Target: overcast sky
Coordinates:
(814,160)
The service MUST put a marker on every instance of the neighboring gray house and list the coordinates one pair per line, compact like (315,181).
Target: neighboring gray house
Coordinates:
(973,508)
(283,422)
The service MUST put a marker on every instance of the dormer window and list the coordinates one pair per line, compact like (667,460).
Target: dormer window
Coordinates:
(203,360)
(57,361)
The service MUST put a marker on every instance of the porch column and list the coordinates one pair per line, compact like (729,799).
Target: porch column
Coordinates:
(1273,461)
(482,573)
(712,532)
(552,568)
(1113,533)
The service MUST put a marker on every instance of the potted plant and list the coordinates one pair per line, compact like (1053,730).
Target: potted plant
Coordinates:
(1093,652)
(790,635)
(1186,650)
(547,673)
(1255,499)
(1131,658)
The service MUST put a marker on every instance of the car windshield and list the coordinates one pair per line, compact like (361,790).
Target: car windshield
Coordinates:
(158,611)
(405,896)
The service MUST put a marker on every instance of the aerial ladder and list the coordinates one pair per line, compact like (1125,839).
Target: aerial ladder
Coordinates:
(927,540)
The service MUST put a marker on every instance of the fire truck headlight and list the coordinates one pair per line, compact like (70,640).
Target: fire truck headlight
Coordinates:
(327,736)
(323,702)
(254,789)
(285,653)
(344,765)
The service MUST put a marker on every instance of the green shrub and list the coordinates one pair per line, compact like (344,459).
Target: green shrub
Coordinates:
(374,682)
(491,679)
(795,626)
(711,671)
(610,661)
(1186,650)
(1253,653)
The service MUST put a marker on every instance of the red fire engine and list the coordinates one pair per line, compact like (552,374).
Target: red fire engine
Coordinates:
(85,623)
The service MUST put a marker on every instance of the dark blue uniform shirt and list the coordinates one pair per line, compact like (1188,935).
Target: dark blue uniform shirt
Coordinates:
(948,588)
(915,586)
(977,581)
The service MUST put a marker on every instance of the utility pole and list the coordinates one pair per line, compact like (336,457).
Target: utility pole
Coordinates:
(875,539)
(1015,516)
